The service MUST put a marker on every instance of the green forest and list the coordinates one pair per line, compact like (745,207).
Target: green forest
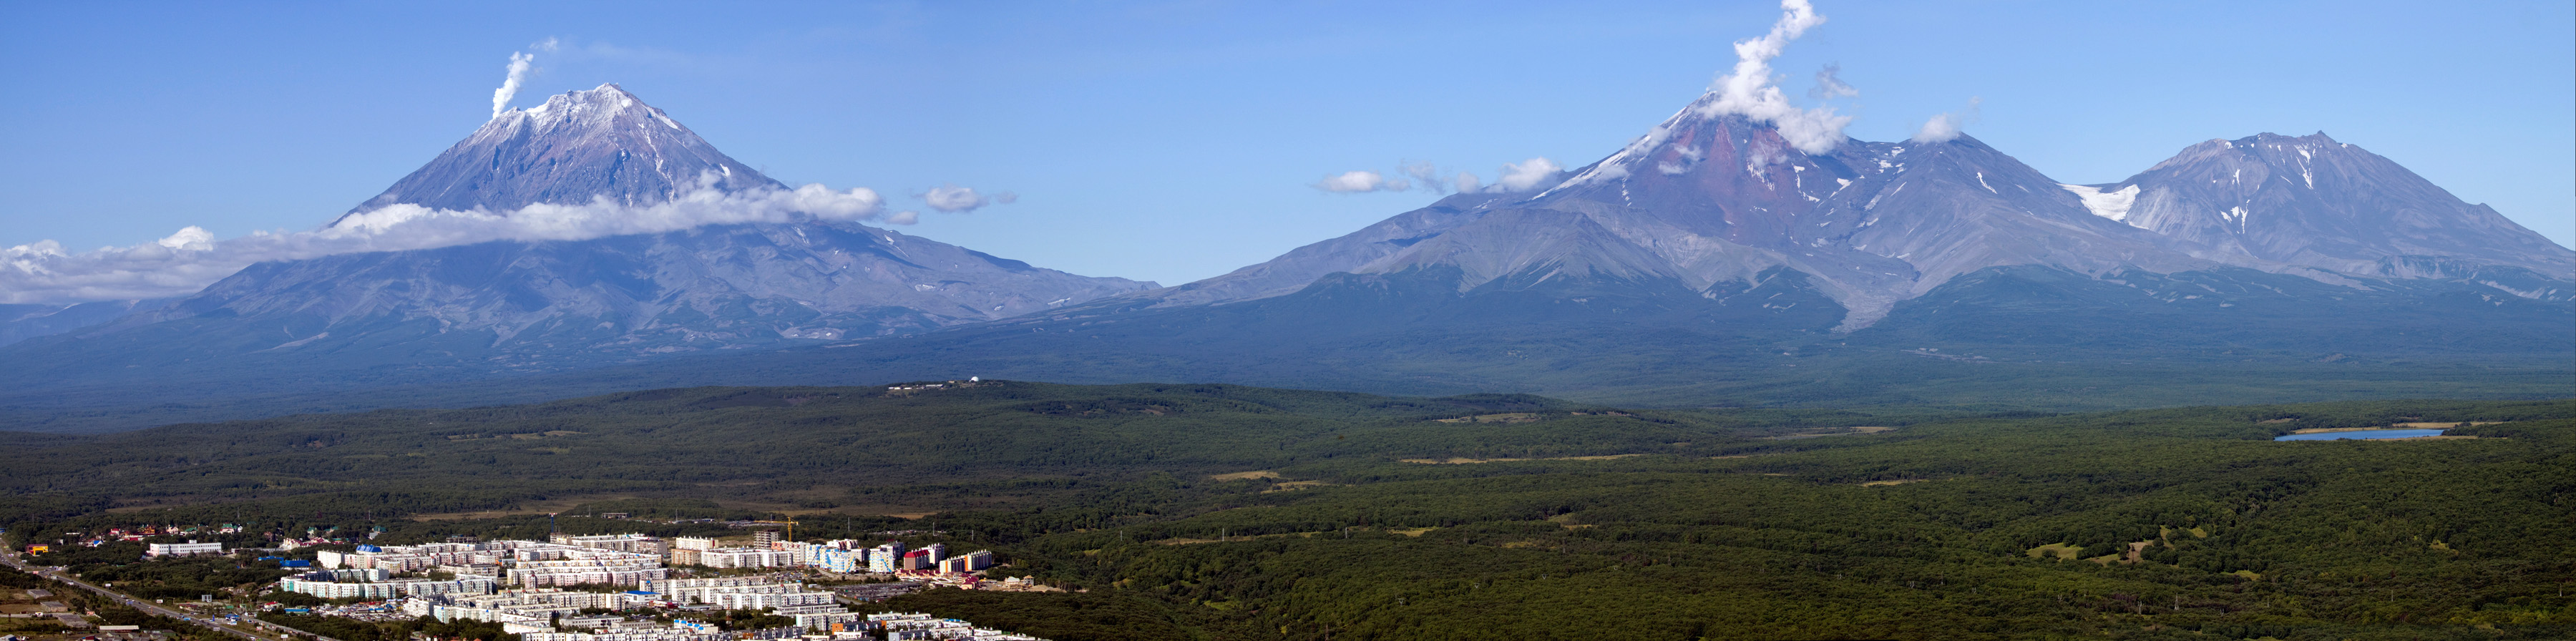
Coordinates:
(1225,512)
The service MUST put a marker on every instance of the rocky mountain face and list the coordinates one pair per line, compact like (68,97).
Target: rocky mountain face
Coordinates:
(1301,266)
(20,322)
(2315,202)
(1712,249)
(581,145)
(564,303)
(1710,261)
(513,306)
(1713,201)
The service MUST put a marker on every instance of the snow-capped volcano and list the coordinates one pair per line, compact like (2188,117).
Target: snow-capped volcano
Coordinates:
(1715,200)
(578,146)
(1723,197)
(478,309)
(2316,202)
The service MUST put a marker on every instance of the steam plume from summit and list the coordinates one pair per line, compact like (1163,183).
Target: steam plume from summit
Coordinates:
(519,67)
(1750,91)
(1945,127)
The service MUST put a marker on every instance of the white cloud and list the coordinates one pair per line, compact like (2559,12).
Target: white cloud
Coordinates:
(1829,84)
(903,217)
(1945,127)
(1428,177)
(1465,183)
(520,64)
(1523,175)
(187,261)
(954,199)
(1751,91)
(1353,182)
(189,237)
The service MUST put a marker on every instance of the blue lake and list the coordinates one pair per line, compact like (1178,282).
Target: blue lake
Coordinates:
(2337,436)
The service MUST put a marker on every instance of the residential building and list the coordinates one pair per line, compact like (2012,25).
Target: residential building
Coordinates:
(840,560)
(636,543)
(746,558)
(190,548)
(968,562)
(884,558)
(386,589)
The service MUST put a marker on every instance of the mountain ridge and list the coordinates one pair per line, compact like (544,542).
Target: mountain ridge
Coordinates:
(2261,201)
(1709,261)
(1676,194)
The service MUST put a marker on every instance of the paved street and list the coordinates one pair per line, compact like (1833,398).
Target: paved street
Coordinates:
(10,558)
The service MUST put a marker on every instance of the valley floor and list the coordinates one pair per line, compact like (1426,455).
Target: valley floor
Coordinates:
(1223,512)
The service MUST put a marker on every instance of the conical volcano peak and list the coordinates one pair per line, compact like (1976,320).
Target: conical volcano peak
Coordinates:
(577,147)
(1698,135)
(2267,148)
(603,105)
(2315,140)
(2310,200)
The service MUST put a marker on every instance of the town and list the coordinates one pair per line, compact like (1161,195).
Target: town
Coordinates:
(623,587)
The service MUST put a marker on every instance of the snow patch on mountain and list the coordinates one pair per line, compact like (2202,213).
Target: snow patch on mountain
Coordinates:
(2113,204)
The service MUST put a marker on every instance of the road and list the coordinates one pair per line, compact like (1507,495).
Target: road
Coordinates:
(10,558)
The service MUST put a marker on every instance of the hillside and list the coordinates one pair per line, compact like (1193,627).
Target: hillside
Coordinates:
(672,441)
(1222,512)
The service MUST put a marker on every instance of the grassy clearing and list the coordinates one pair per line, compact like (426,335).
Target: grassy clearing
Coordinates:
(1286,486)
(1508,417)
(1836,431)
(1463,461)
(2062,551)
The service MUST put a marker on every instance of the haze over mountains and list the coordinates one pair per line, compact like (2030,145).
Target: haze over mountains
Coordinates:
(1713,249)
(514,304)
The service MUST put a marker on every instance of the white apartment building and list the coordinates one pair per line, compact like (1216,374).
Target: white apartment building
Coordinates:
(758,600)
(915,626)
(840,560)
(386,589)
(696,590)
(746,558)
(884,558)
(636,543)
(190,548)
(600,575)
(536,567)
(654,635)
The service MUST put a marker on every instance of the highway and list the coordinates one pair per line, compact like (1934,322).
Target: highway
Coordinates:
(10,558)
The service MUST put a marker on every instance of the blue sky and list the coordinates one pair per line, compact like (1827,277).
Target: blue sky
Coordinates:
(1178,140)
